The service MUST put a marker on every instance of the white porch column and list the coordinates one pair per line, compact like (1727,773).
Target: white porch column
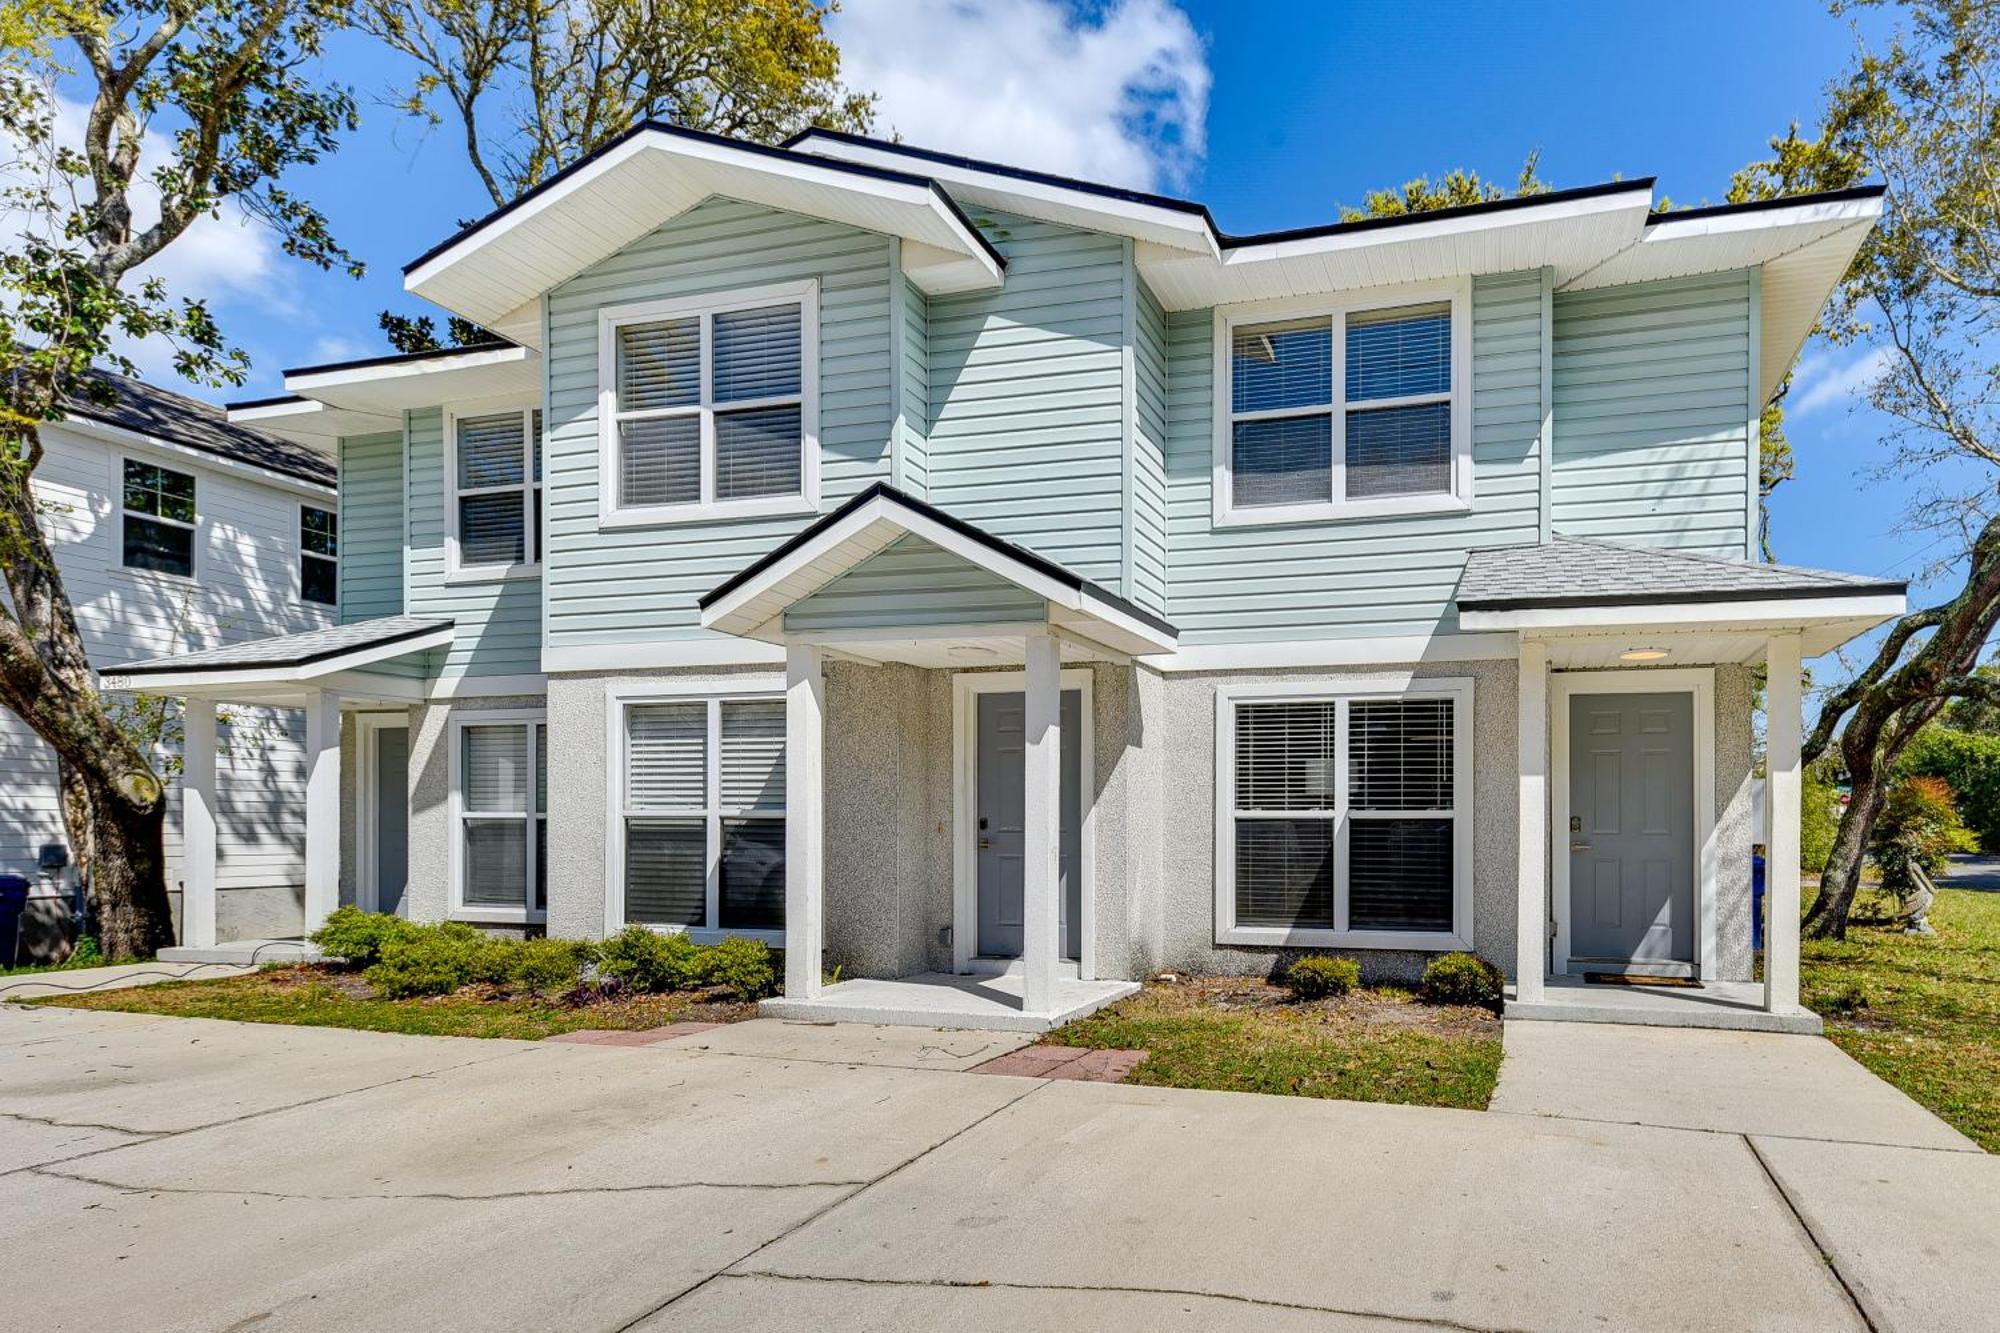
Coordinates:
(1041,825)
(805,820)
(1784,722)
(198,824)
(1531,928)
(322,807)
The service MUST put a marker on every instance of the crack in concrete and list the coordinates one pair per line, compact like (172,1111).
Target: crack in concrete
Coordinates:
(52,1123)
(819,1213)
(1120,1289)
(1853,1292)
(1733,1133)
(440,1195)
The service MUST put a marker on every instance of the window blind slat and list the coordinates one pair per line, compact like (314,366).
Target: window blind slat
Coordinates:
(1399,451)
(496,862)
(491,451)
(757,452)
(1284,873)
(1398,353)
(1399,754)
(659,461)
(659,365)
(1286,364)
(495,769)
(490,528)
(1284,756)
(666,756)
(1288,460)
(666,872)
(752,888)
(753,755)
(756,353)
(1399,874)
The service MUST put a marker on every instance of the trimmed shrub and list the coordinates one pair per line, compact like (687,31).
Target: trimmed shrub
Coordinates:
(644,959)
(434,960)
(1461,978)
(1316,978)
(546,967)
(1970,762)
(741,966)
(356,937)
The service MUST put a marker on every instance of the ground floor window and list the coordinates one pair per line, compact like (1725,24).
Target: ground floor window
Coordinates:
(1343,817)
(703,813)
(500,788)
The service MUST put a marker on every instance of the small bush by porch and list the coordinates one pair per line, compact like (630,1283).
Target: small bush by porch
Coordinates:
(1242,1034)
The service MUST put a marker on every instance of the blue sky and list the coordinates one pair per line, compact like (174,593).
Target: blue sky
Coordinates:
(1272,114)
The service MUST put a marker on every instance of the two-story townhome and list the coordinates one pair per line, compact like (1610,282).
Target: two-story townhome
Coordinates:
(175,530)
(1002,587)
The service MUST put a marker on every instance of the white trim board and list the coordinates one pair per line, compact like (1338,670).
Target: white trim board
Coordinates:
(966,687)
(1696,681)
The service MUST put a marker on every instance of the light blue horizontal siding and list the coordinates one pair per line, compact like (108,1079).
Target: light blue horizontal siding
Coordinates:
(911,582)
(1353,577)
(1149,476)
(913,388)
(633,584)
(371,526)
(1027,429)
(496,624)
(1652,411)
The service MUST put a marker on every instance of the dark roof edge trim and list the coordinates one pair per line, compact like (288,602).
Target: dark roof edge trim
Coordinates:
(1521,201)
(170,669)
(399,358)
(275,400)
(1764,205)
(883,490)
(1887,586)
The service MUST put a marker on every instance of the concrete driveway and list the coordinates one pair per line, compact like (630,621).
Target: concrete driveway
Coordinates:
(180,1174)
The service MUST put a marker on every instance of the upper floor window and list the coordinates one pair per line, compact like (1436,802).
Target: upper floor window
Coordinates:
(1348,410)
(709,406)
(319,555)
(159,519)
(496,473)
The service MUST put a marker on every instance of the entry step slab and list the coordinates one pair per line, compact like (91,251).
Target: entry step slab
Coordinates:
(245,953)
(1736,1006)
(946,1000)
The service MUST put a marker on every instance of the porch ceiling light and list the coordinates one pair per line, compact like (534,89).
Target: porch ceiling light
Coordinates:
(1642,654)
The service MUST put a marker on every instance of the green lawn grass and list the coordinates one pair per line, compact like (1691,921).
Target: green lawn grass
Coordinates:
(315,996)
(1236,1036)
(1922,1012)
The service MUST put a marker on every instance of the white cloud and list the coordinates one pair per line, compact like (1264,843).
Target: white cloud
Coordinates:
(1119,96)
(1822,381)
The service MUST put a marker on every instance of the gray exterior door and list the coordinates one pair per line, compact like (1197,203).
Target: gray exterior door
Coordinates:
(1631,835)
(392,817)
(1000,779)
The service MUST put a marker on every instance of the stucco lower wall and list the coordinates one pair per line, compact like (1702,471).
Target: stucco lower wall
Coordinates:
(1734,836)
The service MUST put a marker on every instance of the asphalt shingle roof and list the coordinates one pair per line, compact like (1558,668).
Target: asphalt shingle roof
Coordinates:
(1587,571)
(147,409)
(290,650)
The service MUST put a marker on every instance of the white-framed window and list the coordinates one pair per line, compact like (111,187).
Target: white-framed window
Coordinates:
(1346,408)
(1344,816)
(493,473)
(159,519)
(499,816)
(698,783)
(708,406)
(319,555)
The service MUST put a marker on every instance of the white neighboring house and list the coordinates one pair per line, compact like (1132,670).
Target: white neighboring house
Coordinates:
(176,530)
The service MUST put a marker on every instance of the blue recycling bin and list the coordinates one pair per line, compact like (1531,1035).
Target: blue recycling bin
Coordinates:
(1757,902)
(13,902)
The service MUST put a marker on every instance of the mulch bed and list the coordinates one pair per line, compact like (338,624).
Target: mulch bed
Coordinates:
(1366,1008)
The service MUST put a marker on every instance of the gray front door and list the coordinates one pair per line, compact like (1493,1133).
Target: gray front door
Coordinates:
(1631,834)
(392,817)
(997,802)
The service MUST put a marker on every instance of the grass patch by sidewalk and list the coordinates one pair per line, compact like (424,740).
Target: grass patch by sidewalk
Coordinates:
(1235,1034)
(316,996)
(1922,1012)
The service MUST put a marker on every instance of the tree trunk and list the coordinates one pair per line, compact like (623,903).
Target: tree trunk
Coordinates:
(45,679)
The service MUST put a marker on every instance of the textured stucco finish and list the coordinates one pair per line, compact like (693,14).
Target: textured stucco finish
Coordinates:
(1734,687)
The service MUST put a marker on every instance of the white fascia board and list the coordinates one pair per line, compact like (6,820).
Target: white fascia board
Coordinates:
(260,677)
(119,436)
(337,377)
(654,654)
(1668,228)
(1769,612)
(1637,200)
(306,419)
(1179,228)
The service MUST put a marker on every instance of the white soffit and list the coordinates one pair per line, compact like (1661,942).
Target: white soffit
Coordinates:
(308,421)
(657,173)
(390,386)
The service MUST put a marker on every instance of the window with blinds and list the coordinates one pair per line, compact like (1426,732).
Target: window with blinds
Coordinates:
(1343,818)
(497,485)
(704,813)
(710,404)
(501,790)
(1346,407)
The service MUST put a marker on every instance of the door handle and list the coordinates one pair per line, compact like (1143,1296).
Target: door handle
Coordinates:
(1579,846)
(985,844)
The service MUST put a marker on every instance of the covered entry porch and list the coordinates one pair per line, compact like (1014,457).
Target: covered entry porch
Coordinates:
(1635,769)
(359,668)
(888,580)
